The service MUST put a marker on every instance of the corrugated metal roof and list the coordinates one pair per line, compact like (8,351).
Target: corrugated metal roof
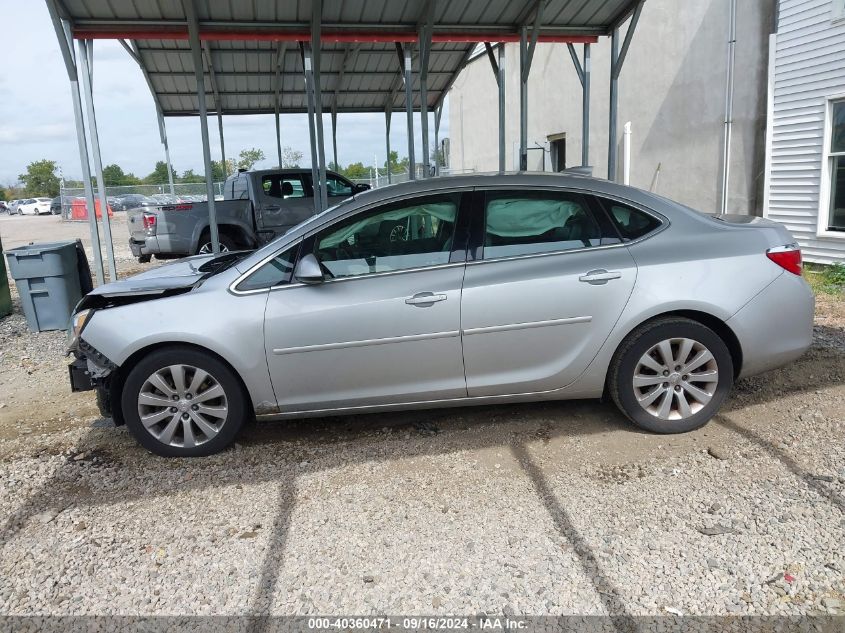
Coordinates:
(355,77)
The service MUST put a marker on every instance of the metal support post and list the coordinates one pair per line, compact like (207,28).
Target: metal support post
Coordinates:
(523,100)
(334,134)
(280,52)
(309,91)
(584,77)
(387,114)
(85,52)
(729,101)
(65,40)
(162,132)
(617,59)
(501,80)
(316,20)
(425,33)
(222,145)
(409,111)
(585,110)
(196,54)
(526,55)
(499,73)
(438,156)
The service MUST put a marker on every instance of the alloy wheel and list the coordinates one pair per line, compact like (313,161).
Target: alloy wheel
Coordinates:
(675,379)
(208,249)
(182,405)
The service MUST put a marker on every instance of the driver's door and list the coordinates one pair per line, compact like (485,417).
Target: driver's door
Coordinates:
(384,326)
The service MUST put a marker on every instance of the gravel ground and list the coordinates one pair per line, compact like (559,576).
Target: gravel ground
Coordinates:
(556,508)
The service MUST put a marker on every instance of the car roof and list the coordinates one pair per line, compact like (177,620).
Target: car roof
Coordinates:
(570,180)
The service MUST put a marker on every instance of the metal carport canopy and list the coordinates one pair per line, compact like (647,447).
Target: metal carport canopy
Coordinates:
(359,62)
(251,56)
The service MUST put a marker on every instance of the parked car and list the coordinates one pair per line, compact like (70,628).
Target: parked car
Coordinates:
(444,292)
(257,207)
(133,201)
(34,206)
(56,205)
(13,207)
(3,206)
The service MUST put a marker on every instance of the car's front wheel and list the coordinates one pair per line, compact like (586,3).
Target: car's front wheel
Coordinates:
(671,375)
(183,402)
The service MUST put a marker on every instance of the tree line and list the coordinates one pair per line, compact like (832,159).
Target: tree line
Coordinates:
(41,177)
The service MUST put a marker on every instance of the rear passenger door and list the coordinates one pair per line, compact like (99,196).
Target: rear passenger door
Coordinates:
(549,280)
(281,202)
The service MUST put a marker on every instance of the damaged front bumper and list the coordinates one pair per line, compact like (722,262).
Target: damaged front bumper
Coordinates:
(90,369)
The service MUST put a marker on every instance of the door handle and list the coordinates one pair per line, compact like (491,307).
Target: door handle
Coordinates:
(599,276)
(425,299)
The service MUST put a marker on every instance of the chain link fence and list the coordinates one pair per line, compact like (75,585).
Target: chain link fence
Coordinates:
(118,200)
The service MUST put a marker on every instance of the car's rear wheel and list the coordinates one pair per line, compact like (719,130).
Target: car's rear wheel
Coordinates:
(226,244)
(671,375)
(183,402)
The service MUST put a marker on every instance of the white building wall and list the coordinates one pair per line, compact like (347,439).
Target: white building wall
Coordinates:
(809,68)
(672,89)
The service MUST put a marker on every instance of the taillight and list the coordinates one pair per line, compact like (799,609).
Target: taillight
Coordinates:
(149,221)
(787,257)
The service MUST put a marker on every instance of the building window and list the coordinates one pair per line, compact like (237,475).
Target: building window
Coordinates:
(836,165)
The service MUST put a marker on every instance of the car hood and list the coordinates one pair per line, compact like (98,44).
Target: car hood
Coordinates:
(163,281)
(180,274)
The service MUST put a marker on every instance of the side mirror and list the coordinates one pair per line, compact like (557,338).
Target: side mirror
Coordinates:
(308,270)
(358,188)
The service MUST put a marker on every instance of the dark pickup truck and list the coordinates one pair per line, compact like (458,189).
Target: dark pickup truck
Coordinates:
(257,206)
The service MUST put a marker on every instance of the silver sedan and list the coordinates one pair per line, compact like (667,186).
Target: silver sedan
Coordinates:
(445,292)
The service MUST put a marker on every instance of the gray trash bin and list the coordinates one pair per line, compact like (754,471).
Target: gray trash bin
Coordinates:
(49,282)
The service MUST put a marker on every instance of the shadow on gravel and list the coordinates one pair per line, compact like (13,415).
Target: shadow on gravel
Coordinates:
(812,481)
(608,593)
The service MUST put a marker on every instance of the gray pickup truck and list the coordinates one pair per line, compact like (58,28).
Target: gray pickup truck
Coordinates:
(257,206)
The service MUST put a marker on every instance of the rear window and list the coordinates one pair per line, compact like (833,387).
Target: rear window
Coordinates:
(631,223)
(240,190)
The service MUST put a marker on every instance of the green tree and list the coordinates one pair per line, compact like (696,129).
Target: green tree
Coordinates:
(248,157)
(290,158)
(396,166)
(40,179)
(356,171)
(159,174)
(114,176)
(189,177)
(217,172)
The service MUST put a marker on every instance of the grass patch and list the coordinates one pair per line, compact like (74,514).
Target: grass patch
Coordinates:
(824,279)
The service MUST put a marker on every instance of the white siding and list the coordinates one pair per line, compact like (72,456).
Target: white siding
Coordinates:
(809,67)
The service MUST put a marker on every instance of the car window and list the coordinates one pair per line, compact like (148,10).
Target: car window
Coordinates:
(283,186)
(526,223)
(410,234)
(240,189)
(631,223)
(337,187)
(278,271)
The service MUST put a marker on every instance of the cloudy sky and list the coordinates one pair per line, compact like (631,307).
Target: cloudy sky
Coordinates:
(36,112)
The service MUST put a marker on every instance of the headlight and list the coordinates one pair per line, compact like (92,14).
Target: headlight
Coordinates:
(77,323)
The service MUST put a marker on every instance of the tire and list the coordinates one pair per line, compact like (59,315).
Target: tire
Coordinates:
(226,244)
(190,427)
(144,259)
(695,392)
